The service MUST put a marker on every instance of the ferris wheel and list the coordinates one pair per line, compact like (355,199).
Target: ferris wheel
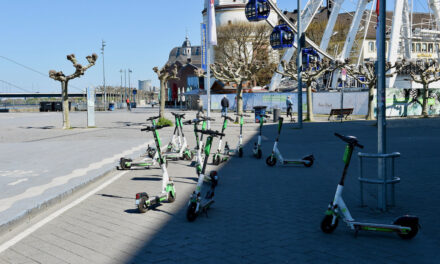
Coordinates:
(283,34)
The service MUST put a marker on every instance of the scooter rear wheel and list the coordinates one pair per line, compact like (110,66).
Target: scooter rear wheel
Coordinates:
(142,206)
(326,224)
(271,161)
(216,160)
(413,225)
(191,214)
(310,163)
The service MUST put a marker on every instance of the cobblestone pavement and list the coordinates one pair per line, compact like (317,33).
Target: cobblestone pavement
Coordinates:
(262,214)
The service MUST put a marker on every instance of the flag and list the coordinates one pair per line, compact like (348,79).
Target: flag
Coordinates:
(211,22)
(377,9)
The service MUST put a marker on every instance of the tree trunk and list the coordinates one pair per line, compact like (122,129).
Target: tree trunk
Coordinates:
(162,99)
(239,101)
(370,113)
(309,103)
(425,100)
(65,98)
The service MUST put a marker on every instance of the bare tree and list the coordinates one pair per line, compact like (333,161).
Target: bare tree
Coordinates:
(310,75)
(64,80)
(425,73)
(238,72)
(370,79)
(165,74)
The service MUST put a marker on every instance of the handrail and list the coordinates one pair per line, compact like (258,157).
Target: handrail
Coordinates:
(377,155)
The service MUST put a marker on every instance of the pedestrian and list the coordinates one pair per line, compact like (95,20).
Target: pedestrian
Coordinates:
(183,100)
(200,107)
(225,105)
(289,107)
(128,104)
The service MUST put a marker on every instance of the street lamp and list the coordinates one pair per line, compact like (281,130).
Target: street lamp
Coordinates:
(129,86)
(103,73)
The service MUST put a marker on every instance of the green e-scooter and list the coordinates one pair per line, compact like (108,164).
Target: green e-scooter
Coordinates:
(197,204)
(258,153)
(276,155)
(178,147)
(239,149)
(405,226)
(168,191)
(146,163)
(219,156)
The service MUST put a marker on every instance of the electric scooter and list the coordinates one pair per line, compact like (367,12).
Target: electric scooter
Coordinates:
(272,159)
(146,163)
(197,204)
(219,157)
(258,153)
(178,147)
(239,149)
(197,151)
(168,193)
(405,226)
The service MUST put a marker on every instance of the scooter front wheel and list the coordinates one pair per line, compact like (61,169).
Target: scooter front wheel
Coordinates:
(310,163)
(326,224)
(171,197)
(259,154)
(216,160)
(271,161)
(143,208)
(191,213)
(240,152)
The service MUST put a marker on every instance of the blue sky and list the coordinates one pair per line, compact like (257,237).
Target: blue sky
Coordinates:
(139,35)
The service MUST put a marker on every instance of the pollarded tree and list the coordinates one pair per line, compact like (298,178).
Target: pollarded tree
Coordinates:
(238,72)
(370,79)
(64,80)
(310,75)
(425,73)
(168,72)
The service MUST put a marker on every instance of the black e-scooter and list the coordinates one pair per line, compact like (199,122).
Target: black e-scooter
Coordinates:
(168,192)
(197,204)
(405,226)
(272,159)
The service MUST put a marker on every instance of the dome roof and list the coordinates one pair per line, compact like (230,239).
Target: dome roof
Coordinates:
(186,43)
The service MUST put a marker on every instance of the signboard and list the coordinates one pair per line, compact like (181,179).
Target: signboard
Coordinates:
(134,91)
(204,45)
(90,107)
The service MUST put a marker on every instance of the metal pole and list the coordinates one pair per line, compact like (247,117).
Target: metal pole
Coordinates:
(125,83)
(129,86)
(381,117)
(299,65)
(103,74)
(208,80)
(122,95)
(342,98)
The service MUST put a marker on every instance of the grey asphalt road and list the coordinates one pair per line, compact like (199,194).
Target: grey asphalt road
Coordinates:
(262,214)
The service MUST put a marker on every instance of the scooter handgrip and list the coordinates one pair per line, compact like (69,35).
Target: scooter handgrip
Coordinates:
(162,126)
(146,129)
(359,145)
(153,118)
(230,118)
(189,122)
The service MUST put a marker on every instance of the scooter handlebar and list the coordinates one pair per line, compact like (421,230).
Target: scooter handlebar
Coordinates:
(350,140)
(178,115)
(189,122)
(243,115)
(210,132)
(152,128)
(153,118)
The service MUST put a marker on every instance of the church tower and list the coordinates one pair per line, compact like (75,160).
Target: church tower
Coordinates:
(231,11)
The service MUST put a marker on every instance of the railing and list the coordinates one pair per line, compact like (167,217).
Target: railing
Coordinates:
(387,180)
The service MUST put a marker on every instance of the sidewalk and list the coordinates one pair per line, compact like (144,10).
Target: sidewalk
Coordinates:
(261,214)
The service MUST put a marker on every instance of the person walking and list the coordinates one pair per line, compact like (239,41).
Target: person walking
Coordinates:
(289,108)
(225,105)
(128,104)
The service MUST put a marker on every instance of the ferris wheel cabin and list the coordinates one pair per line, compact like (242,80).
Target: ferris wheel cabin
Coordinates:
(282,37)
(257,10)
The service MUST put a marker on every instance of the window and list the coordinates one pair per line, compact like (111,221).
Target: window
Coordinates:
(424,47)
(418,47)
(371,46)
(413,47)
(430,48)
(437,48)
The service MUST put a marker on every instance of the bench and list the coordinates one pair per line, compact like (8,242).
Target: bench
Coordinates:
(345,112)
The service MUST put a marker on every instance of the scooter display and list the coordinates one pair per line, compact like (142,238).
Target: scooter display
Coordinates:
(197,204)
(276,155)
(219,156)
(258,153)
(239,149)
(168,191)
(405,226)
(178,147)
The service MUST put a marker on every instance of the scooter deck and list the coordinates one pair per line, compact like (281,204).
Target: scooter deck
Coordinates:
(378,227)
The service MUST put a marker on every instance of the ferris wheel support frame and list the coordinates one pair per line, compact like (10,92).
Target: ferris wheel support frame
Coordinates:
(395,38)
(331,24)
